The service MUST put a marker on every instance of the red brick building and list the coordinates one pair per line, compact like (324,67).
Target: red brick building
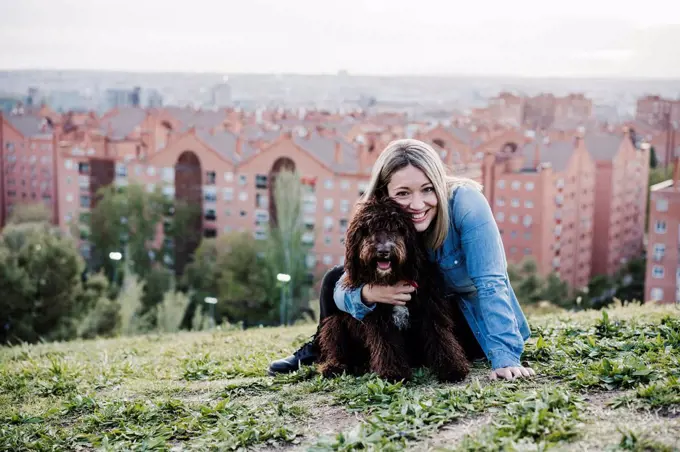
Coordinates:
(662,279)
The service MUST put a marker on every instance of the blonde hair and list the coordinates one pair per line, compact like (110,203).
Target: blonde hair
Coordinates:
(401,153)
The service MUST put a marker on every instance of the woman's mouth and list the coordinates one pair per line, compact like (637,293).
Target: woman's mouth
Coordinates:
(420,216)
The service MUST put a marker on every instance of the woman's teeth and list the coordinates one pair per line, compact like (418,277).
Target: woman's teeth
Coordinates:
(418,216)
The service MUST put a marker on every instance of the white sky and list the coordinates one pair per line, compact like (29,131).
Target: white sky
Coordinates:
(490,37)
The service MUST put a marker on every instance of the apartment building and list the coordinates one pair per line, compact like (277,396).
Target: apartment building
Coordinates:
(621,179)
(662,278)
(26,162)
(542,195)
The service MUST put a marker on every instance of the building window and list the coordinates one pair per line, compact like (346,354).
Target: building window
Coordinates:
(559,183)
(260,235)
(83,168)
(513,250)
(501,184)
(527,251)
(500,202)
(514,202)
(662,205)
(327,240)
(228,194)
(210,177)
(660,227)
(528,204)
(658,272)
(328,224)
(344,206)
(210,214)
(344,184)
(261,181)
(243,196)
(656,294)
(121,170)
(243,213)
(328,184)
(514,219)
(85,201)
(327,259)
(500,217)
(242,179)
(210,195)
(228,176)
(328,204)
(659,250)
(515,185)
(527,236)
(343,226)
(151,171)
(529,186)
(261,201)
(527,220)
(168,173)
(210,233)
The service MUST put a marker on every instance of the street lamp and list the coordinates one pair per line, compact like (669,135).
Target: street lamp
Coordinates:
(115,256)
(212,301)
(283,278)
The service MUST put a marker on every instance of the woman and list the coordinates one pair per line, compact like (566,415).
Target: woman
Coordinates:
(463,238)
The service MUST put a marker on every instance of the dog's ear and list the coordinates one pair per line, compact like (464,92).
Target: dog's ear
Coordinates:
(353,240)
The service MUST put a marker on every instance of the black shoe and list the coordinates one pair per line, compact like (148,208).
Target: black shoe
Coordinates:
(304,356)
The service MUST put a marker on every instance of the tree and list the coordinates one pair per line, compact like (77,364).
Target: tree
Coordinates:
(230,269)
(41,292)
(653,159)
(556,291)
(286,251)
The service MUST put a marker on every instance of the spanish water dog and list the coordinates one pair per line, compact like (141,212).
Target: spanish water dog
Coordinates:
(383,247)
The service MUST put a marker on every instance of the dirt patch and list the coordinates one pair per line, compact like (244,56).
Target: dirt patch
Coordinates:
(604,425)
(450,435)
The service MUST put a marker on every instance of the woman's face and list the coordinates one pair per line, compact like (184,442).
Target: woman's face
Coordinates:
(413,190)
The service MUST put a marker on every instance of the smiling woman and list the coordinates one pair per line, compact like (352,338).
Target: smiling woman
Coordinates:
(458,227)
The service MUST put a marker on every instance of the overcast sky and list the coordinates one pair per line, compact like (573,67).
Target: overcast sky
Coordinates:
(491,37)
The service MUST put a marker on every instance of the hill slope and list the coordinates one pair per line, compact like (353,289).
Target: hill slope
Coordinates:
(606,380)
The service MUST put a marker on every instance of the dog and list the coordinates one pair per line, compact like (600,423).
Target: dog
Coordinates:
(383,248)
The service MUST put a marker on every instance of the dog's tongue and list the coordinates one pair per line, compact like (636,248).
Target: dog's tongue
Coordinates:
(384,265)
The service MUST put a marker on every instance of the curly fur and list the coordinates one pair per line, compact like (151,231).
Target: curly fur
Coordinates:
(389,341)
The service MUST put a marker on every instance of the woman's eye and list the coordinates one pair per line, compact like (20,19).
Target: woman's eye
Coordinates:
(429,189)
(402,193)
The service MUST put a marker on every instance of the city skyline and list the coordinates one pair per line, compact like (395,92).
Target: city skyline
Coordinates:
(524,39)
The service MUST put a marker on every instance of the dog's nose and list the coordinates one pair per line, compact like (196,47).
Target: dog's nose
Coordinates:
(383,254)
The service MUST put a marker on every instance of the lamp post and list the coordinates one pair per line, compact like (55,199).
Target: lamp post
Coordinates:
(284,279)
(212,301)
(115,256)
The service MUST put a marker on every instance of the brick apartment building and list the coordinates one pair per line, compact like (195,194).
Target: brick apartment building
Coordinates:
(575,204)
(620,199)
(542,195)
(539,112)
(662,279)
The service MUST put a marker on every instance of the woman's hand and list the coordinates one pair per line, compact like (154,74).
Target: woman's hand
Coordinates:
(397,294)
(510,373)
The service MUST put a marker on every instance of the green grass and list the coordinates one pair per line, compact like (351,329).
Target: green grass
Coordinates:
(607,380)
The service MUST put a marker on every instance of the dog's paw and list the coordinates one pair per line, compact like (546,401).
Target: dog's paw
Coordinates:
(452,373)
(394,375)
(330,370)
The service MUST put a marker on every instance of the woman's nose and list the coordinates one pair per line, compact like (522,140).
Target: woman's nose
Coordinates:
(416,202)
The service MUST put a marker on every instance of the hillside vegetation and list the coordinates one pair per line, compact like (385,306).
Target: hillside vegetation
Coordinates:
(608,380)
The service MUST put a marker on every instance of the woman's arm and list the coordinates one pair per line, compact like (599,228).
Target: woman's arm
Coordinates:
(349,300)
(361,301)
(486,266)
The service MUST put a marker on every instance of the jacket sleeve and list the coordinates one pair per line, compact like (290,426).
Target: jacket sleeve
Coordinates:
(487,267)
(349,301)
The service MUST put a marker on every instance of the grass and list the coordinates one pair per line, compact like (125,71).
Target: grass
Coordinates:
(607,380)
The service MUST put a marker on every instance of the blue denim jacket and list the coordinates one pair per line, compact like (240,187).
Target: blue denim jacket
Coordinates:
(473,262)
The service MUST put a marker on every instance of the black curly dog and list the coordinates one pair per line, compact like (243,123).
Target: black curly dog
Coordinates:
(383,247)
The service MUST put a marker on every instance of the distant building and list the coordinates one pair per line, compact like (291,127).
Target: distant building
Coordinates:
(221,95)
(542,194)
(662,279)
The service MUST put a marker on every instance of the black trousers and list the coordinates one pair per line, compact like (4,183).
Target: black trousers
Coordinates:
(328,307)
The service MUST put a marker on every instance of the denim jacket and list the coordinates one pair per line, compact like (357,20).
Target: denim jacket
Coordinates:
(473,262)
